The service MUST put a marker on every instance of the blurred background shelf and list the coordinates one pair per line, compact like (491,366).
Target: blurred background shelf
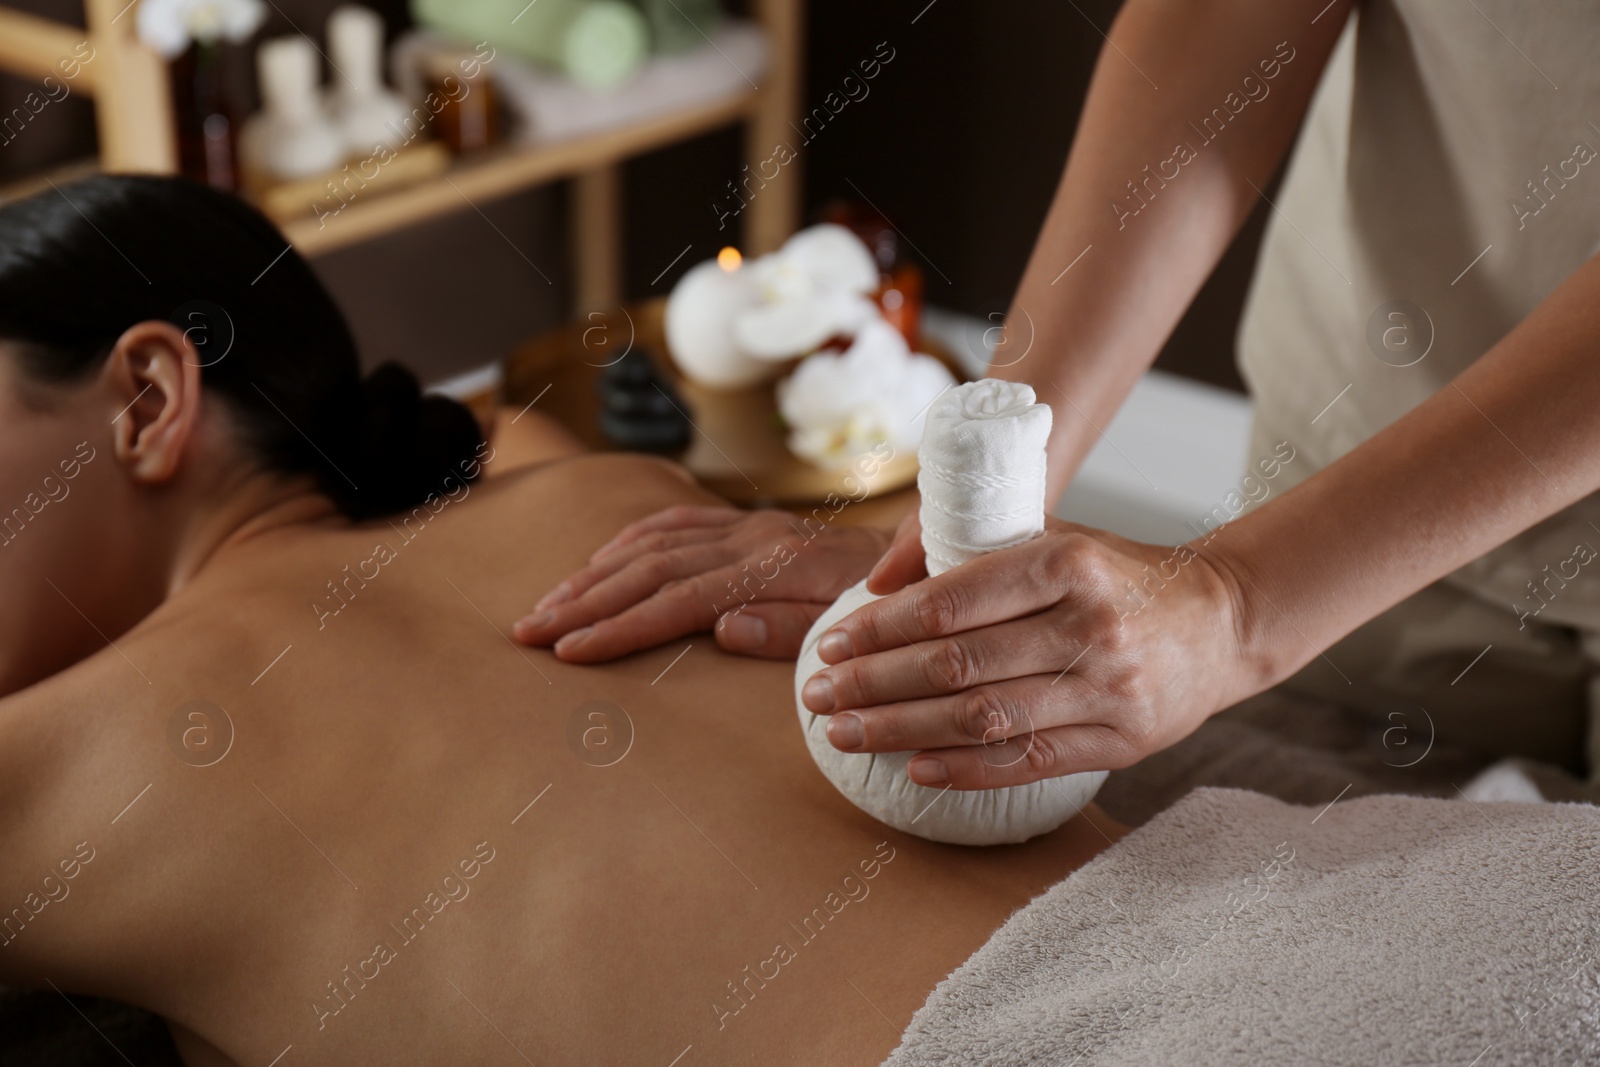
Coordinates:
(591,162)
(127,81)
(960,144)
(129,86)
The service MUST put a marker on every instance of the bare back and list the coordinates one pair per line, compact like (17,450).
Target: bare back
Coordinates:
(402,838)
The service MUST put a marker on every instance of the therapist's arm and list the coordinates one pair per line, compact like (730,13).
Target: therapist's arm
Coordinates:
(1114,267)
(1082,330)
(1510,441)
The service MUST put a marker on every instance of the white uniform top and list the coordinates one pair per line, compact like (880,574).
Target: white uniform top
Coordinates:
(1449,160)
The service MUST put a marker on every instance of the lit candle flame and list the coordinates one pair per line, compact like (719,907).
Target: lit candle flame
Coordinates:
(729,259)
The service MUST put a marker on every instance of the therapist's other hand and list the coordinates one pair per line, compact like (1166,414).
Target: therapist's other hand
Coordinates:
(689,569)
(1077,651)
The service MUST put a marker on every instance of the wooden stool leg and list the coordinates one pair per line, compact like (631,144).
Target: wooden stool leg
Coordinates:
(597,238)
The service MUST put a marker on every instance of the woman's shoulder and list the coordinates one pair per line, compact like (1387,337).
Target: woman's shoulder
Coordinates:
(615,487)
(71,766)
(630,466)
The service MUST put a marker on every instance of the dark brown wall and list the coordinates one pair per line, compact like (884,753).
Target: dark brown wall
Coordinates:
(963,138)
(959,141)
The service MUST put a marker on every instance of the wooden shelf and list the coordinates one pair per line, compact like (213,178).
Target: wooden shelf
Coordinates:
(31,47)
(133,112)
(40,181)
(500,172)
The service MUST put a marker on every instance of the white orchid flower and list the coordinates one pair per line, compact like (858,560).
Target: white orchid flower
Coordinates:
(839,407)
(815,287)
(169,26)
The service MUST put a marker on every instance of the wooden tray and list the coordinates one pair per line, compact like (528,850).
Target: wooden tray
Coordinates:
(736,448)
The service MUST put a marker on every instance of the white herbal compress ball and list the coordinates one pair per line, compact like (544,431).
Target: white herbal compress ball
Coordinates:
(982,480)
(359,103)
(290,137)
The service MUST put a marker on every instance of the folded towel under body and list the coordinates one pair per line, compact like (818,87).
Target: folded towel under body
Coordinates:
(1235,928)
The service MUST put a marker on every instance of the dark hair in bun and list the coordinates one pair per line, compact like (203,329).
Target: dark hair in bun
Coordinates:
(81,264)
(409,445)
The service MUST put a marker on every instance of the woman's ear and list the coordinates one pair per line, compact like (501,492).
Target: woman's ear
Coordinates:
(153,376)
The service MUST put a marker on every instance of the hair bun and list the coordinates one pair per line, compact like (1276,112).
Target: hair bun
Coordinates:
(406,446)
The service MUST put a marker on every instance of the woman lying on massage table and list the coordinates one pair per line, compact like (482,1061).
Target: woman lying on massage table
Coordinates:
(271,768)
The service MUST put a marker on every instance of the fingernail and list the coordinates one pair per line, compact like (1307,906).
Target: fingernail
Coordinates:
(575,637)
(559,595)
(818,693)
(744,631)
(835,647)
(536,621)
(927,770)
(846,732)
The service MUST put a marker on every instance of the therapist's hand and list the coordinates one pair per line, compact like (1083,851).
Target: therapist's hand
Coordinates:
(757,579)
(904,562)
(1077,651)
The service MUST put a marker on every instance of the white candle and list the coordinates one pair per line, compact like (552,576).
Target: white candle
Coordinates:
(699,324)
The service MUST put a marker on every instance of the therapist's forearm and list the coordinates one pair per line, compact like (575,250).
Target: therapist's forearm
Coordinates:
(1082,338)
(1514,439)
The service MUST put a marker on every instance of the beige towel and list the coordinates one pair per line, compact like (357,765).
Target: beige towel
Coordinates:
(1236,929)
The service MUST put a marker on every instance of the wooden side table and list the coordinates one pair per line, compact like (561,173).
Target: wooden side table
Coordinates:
(736,448)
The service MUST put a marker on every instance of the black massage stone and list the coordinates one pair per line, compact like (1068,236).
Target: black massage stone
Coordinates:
(639,409)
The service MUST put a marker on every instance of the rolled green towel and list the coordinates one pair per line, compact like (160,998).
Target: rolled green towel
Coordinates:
(681,25)
(598,43)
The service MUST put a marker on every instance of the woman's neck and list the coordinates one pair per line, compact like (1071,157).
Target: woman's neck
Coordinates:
(264,505)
